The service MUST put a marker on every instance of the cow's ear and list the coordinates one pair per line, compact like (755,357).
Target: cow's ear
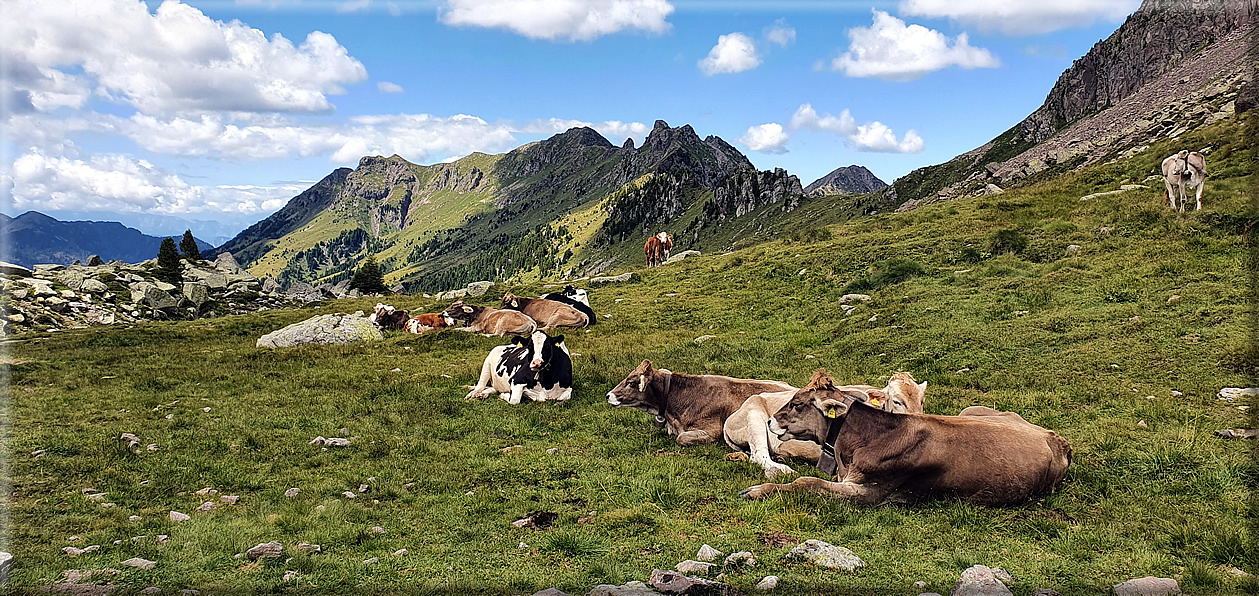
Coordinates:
(517,340)
(515,303)
(467,308)
(922,387)
(833,408)
(557,340)
(878,398)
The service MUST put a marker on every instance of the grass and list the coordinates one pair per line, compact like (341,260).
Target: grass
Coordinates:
(1086,344)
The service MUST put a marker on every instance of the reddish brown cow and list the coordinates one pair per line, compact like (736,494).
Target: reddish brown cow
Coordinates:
(428,322)
(983,457)
(652,251)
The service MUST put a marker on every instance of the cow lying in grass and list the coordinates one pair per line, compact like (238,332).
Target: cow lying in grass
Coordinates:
(388,317)
(982,456)
(693,407)
(547,313)
(537,367)
(490,321)
(428,322)
(747,429)
(576,298)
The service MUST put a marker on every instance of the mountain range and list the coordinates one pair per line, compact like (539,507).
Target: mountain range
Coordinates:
(33,238)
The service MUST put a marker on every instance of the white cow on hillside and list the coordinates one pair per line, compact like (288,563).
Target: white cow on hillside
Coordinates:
(1186,169)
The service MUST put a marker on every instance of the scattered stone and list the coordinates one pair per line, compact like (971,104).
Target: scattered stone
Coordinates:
(850,298)
(1232,393)
(1142,424)
(378,530)
(537,520)
(161,538)
(265,550)
(980,580)
(552,451)
(176,516)
(920,584)
(707,553)
(292,492)
(74,552)
(679,256)
(741,558)
(349,494)
(826,555)
(1238,433)
(479,288)
(206,506)
(522,545)
(371,561)
(672,582)
(400,552)
(703,338)
(151,590)
(289,576)
(133,518)
(624,277)
(690,567)
(230,499)
(139,563)
(1147,586)
(132,440)
(631,588)
(768,583)
(307,547)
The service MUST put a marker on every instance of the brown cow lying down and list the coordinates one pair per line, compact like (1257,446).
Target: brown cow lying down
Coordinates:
(548,313)
(428,322)
(693,407)
(982,457)
(490,321)
(388,317)
(747,429)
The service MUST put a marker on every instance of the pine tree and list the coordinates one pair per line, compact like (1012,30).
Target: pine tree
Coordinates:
(188,246)
(368,279)
(168,268)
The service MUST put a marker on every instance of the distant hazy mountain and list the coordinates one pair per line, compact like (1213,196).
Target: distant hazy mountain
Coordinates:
(34,238)
(162,226)
(853,180)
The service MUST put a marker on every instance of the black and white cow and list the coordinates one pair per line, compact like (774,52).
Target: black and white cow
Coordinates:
(576,298)
(537,367)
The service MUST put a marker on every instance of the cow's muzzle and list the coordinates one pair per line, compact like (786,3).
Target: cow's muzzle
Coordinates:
(536,364)
(613,400)
(773,427)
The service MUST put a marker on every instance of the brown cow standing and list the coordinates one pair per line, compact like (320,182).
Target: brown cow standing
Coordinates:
(982,457)
(693,407)
(652,251)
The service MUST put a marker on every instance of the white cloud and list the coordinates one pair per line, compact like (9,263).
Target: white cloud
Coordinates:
(733,53)
(889,49)
(387,87)
(120,184)
(176,58)
(766,138)
(1021,18)
(874,136)
(354,5)
(607,128)
(781,34)
(573,20)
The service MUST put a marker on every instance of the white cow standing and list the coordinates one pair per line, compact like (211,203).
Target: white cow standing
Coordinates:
(1186,169)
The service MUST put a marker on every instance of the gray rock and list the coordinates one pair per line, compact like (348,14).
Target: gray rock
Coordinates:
(292,492)
(1073,249)
(151,590)
(93,286)
(624,277)
(197,293)
(95,261)
(1147,586)
(49,269)
(741,558)
(980,580)
(479,288)
(139,563)
(826,555)
(226,262)
(371,561)
(1045,592)
(850,298)
(692,567)
(769,583)
(11,270)
(707,553)
(451,295)
(632,588)
(73,277)
(163,286)
(671,582)
(176,516)
(550,592)
(265,550)
(323,329)
(6,563)
(307,547)
(680,256)
(303,292)
(269,286)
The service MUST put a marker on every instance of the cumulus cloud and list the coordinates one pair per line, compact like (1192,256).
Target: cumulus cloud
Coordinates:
(176,58)
(874,136)
(766,138)
(780,34)
(1021,18)
(733,53)
(573,20)
(387,87)
(607,128)
(121,184)
(890,49)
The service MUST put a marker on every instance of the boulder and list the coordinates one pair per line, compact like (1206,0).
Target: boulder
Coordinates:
(633,588)
(479,288)
(1147,586)
(693,567)
(12,270)
(139,563)
(624,277)
(163,286)
(769,583)
(269,286)
(93,286)
(826,555)
(154,297)
(451,295)
(323,329)
(707,553)
(226,262)
(265,550)
(682,255)
(303,292)
(73,277)
(95,261)
(214,280)
(981,580)
(672,582)
(850,298)
(196,292)
(6,563)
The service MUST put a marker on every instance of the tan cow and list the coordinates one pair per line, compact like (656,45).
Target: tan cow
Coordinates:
(983,457)
(747,429)
(693,407)
(548,313)
(1186,169)
(490,321)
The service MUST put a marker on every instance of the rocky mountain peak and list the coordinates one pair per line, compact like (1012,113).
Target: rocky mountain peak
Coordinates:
(852,179)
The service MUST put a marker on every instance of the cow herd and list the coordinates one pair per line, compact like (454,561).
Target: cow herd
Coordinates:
(876,443)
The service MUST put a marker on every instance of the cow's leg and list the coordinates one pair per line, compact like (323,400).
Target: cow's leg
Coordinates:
(1170,198)
(758,446)
(695,437)
(517,392)
(1201,183)
(482,388)
(858,493)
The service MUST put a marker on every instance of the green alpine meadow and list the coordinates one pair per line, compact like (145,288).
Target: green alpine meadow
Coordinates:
(1106,318)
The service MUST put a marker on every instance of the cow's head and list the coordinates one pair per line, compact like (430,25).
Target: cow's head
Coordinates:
(635,390)
(904,395)
(378,312)
(540,348)
(810,411)
(576,294)
(510,301)
(460,312)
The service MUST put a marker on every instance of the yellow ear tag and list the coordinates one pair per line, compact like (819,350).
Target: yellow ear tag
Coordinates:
(874,401)
(832,412)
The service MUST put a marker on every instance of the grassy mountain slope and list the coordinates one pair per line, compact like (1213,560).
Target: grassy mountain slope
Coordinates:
(1089,344)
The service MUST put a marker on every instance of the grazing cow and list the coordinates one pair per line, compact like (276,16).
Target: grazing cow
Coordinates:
(1186,169)
(547,313)
(428,322)
(576,298)
(387,317)
(490,321)
(651,249)
(666,245)
(983,457)
(746,430)
(537,367)
(693,407)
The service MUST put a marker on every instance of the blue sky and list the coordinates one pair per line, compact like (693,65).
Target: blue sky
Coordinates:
(219,111)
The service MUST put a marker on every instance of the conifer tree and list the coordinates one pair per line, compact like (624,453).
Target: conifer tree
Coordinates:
(168,268)
(368,279)
(188,246)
